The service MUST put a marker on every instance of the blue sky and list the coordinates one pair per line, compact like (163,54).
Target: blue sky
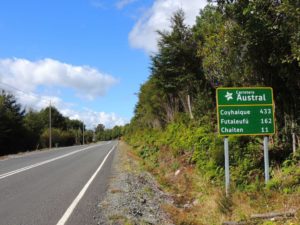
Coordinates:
(88,56)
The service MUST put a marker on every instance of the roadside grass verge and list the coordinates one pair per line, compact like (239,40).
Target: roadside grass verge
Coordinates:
(200,200)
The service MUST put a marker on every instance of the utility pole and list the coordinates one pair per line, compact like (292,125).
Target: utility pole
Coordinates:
(83,133)
(94,135)
(50,133)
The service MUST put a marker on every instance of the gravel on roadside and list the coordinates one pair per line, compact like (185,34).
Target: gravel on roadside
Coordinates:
(133,196)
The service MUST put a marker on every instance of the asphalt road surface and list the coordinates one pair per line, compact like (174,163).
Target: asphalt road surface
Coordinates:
(55,187)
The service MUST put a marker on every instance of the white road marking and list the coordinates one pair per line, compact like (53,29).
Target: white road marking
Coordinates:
(2,176)
(73,205)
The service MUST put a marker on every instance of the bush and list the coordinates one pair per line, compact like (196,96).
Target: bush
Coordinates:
(206,151)
(287,179)
(59,138)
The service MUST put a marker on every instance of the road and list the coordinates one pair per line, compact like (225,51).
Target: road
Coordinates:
(55,187)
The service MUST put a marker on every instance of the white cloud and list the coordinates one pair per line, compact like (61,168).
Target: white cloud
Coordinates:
(123,3)
(144,36)
(22,78)
(92,118)
(39,102)
(84,80)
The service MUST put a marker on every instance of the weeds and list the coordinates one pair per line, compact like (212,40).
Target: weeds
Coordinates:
(225,204)
(198,153)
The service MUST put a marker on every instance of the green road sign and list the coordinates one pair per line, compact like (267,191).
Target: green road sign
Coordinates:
(245,111)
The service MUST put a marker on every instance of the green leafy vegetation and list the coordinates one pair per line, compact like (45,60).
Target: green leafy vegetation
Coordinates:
(103,134)
(233,43)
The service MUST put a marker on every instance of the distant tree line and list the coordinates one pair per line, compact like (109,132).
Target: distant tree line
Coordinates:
(103,134)
(23,131)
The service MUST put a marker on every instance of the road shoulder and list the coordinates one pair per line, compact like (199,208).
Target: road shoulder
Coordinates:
(133,196)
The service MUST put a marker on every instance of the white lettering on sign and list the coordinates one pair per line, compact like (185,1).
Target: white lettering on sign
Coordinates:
(245,92)
(235,121)
(259,98)
(232,130)
(234,112)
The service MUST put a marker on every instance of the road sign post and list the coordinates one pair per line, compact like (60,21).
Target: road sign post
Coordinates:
(246,111)
(227,175)
(266,159)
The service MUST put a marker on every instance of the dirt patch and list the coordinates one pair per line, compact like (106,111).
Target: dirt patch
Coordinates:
(133,196)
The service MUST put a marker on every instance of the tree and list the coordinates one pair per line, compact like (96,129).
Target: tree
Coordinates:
(176,67)
(268,38)
(153,109)
(34,127)
(11,124)
(57,119)
(73,124)
(100,128)
(88,136)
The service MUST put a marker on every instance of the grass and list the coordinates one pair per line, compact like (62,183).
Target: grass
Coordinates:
(120,219)
(206,200)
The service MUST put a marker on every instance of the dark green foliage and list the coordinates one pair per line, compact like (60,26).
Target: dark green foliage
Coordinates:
(266,37)
(103,134)
(11,124)
(73,124)
(234,43)
(34,125)
(100,128)
(151,111)
(57,119)
(147,151)
(288,179)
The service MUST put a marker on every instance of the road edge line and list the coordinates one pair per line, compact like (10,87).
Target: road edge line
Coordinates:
(75,202)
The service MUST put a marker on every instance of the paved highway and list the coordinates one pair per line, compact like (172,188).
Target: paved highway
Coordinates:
(55,187)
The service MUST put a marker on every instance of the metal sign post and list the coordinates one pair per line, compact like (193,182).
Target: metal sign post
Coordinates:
(266,159)
(227,174)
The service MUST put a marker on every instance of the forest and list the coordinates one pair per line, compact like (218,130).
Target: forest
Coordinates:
(232,44)
(174,129)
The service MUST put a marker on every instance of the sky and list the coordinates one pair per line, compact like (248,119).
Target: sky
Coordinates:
(87,57)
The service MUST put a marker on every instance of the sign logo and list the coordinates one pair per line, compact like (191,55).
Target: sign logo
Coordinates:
(228,96)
